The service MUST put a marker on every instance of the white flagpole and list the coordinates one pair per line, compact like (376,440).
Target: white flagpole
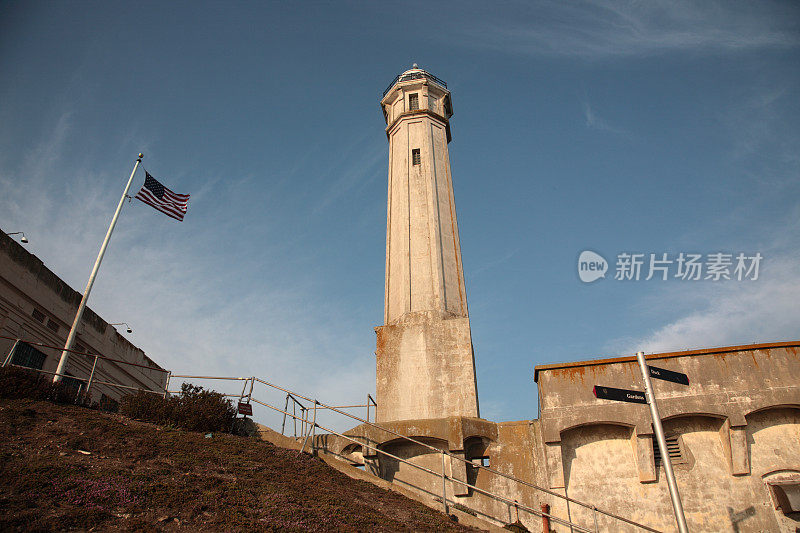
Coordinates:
(62,363)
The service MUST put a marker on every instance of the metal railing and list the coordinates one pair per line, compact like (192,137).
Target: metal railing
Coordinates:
(308,433)
(414,76)
(91,380)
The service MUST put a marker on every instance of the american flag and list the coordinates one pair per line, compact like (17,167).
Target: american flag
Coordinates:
(155,194)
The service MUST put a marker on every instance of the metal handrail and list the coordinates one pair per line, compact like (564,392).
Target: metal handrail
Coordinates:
(425,445)
(90,380)
(95,382)
(312,425)
(443,474)
(40,344)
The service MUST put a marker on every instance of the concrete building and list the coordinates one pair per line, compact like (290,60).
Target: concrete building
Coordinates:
(36,306)
(733,434)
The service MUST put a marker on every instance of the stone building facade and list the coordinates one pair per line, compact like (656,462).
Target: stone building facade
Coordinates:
(36,306)
(733,434)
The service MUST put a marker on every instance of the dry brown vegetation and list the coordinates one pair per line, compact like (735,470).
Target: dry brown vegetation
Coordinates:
(64,467)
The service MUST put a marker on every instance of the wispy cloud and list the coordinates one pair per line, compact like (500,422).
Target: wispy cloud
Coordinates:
(594,122)
(595,28)
(496,261)
(733,313)
(359,163)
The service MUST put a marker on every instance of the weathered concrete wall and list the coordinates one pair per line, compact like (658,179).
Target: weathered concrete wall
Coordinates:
(425,368)
(27,284)
(738,424)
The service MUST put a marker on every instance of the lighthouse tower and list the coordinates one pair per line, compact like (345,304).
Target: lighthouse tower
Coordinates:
(425,363)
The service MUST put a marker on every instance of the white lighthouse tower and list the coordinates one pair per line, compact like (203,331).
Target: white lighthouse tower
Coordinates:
(425,363)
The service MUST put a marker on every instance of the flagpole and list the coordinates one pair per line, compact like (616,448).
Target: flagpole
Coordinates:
(62,363)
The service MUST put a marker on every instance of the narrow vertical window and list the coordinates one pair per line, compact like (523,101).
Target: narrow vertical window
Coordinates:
(415,157)
(413,101)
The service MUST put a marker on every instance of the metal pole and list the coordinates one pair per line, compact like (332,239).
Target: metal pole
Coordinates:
(314,429)
(545,518)
(677,506)
(11,353)
(367,407)
(285,410)
(311,429)
(244,388)
(166,385)
(91,377)
(594,512)
(62,363)
(444,487)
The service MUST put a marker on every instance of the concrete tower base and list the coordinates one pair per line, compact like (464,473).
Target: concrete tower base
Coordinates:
(426,368)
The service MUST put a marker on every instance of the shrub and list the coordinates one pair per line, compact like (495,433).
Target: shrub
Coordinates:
(18,382)
(194,409)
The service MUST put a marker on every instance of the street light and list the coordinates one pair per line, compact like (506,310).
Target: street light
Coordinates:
(123,324)
(23,240)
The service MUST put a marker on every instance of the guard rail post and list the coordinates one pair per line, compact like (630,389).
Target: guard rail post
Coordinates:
(444,487)
(10,353)
(91,377)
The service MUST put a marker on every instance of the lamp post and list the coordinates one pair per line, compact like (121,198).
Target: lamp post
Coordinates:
(23,239)
(122,324)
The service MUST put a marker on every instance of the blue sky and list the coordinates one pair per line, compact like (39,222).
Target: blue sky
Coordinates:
(649,127)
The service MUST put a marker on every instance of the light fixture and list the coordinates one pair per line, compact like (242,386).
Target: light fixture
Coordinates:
(123,324)
(23,239)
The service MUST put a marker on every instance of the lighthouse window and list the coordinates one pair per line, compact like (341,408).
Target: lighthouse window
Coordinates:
(415,157)
(413,101)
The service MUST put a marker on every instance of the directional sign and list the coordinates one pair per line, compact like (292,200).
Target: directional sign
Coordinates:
(668,375)
(620,395)
(245,409)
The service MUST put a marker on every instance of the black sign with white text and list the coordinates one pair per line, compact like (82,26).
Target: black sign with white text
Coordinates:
(668,375)
(620,395)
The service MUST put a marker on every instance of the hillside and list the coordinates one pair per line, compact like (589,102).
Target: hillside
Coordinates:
(69,468)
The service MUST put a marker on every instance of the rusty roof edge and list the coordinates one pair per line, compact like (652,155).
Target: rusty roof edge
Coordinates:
(665,355)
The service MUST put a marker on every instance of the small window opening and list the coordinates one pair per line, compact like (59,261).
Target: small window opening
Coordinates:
(416,159)
(38,315)
(413,101)
(28,356)
(52,325)
(674,449)
(480,461)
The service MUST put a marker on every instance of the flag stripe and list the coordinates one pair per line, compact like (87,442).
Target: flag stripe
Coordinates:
(173,214)
(167,204)
(149,199)
(154,194)
(169,214)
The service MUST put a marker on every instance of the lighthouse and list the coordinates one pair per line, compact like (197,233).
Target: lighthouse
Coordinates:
(425,361)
